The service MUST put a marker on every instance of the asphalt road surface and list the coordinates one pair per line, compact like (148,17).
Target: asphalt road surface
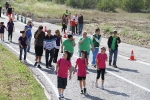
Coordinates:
(130,81)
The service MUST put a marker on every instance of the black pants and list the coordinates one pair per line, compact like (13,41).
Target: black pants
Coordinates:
(56,55)
(0,11)
(102,72)
(73,29)
(47,52)
(64,27)
(76,26)
(10,32)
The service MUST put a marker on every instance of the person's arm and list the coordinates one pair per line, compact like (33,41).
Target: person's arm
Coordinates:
(70,72)
(75,69)
(62,48)
(56,69)
(118,40)
(32,24)
(97,64)
(73,43)
(81,41)
(36,34)
(86,62)
(61,40)
(19,42)
(92,45)
(109,44)
(6,28)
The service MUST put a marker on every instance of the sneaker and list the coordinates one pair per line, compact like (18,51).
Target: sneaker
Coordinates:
(35,63)
(109,64)
(47,67)
(81,92)
(62,96)
(96,85)
(95,66)
(39,66)
(25,61)
(84,90)
(115,66)
(102,87)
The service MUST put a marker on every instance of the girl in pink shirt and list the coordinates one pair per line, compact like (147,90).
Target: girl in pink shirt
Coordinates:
(62,67)
(101,65)
(81,73)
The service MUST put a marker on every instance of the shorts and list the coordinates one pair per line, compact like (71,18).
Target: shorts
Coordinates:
(38,50)
(61,82)
(81,78)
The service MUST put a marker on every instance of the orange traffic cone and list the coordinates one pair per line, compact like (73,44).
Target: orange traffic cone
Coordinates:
(65,35)
(45,30)
(132,56)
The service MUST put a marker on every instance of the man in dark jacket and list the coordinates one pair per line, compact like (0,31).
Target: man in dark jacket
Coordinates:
(113,42)
(80,24)
(49,47)
(39,39)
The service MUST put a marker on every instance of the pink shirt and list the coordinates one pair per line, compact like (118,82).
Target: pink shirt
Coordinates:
(63,67)
(81,67)
(101,60)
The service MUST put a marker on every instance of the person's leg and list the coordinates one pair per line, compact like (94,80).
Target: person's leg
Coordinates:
(3,36)
(115,57)
(76,28)
(25,54)
(84,83)
(46,57)
(51,57)
(81,29)
(98,76)
(102,76)
(11,33)
(80,82)
(110,57)
(64,26)
(20,56)
(0,11)
(55,55)
(29,43)
(94,56)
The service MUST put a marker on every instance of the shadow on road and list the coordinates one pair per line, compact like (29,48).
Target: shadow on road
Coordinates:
(92,70)
(15,43)
(128,70)
(112,69)
(93,97)
(116,93)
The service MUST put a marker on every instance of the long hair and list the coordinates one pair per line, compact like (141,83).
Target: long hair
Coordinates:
(58,33)
(68,55)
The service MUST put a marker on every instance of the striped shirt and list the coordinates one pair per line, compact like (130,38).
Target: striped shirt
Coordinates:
(50,44)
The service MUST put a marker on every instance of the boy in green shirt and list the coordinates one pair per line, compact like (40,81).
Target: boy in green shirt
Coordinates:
(68,45)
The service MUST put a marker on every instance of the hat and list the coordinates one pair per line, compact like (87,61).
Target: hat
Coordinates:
(103,48)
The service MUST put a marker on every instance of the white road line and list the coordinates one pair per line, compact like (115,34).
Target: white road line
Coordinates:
(144,88)
(46,77)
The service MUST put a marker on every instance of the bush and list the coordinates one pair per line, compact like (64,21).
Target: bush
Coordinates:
(60,1)
(75,3)
(106,5)
(133,5)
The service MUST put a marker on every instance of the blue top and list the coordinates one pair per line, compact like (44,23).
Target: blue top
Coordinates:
(28,32)
(2,28)
(58,40)
(10,26)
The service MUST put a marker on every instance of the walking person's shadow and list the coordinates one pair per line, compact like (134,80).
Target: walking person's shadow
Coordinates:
(116,93)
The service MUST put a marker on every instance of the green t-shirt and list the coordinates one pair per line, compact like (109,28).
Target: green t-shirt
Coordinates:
(85,45)
(113,43)
(68,46)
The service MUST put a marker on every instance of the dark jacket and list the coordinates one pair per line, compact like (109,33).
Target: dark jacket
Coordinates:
(39,40)
(80,20)
(110,42)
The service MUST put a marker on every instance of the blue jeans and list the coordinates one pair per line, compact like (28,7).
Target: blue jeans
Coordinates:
(25,52)
(115,52)
(95,52)
(80,28)
(29,42)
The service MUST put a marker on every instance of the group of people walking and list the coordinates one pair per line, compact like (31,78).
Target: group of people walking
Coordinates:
(73,24)
(52,44)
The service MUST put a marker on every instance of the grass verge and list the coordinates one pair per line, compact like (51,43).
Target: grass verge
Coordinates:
(16,81)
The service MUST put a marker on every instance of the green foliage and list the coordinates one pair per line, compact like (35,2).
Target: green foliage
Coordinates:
(133,5)
(60,1)
(147,4)
(107,5)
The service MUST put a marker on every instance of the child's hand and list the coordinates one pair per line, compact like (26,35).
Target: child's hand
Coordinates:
(74,71)
(70,77)
(55,71)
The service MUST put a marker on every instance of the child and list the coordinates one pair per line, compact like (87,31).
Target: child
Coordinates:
(10,26)
(73,26)
(101,65)
(82,63)
(62,67)
(22,45)
(2,30)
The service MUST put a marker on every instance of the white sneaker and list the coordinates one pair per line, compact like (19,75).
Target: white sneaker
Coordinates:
(96,85)
(102,87)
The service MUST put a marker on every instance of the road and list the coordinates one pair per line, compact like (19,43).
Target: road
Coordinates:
(130,81)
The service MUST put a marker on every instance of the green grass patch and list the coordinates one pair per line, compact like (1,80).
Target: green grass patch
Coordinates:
(16,81)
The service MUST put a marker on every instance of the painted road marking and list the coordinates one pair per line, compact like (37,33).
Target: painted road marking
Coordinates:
(49,81)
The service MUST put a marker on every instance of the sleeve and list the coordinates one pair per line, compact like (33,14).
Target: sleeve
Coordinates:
(58,62)
(64,43)
(77,61)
